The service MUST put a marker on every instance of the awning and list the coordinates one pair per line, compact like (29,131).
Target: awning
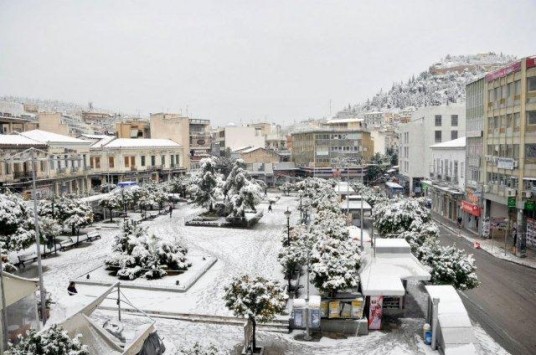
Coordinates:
(17,288)
(471,208)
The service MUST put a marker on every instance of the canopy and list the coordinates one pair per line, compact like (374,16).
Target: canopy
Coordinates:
(17,288)
(383,273)
(354,205)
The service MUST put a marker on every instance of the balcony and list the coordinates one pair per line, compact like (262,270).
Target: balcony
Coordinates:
(133,168)
(22,174)
(61,170)
(74,169)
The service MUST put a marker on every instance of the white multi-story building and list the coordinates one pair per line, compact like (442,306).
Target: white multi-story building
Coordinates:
(428,126)
(448,177)
(236,137)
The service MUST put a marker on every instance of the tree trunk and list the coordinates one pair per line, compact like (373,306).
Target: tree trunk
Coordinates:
(254,333)
(111,220)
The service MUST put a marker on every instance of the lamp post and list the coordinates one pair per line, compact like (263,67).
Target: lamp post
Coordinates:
(361,218)
(3,345)
(287,214)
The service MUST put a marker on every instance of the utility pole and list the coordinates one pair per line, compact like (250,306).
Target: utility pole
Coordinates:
(4,310)
(42,291)
(361,222)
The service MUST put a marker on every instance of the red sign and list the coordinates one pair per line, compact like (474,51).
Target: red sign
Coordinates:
(471,208)
(531,62)
(512,68)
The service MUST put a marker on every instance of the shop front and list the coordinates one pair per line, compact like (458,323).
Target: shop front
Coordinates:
(471,213)
(446,202)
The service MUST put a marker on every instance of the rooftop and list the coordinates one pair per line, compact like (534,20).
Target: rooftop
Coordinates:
(141,142)
(16,139)
(455,143)
(50,137)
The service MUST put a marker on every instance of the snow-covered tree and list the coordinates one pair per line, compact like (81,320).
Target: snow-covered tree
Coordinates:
(397,217)
(135,254)
(111,202)
(335,264)
(241,191)
(77,214)
(204,189)
(16,228)
(50,341)
(256,298)
(449,266)
(295,255)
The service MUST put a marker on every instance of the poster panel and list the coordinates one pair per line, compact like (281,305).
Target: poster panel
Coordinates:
(375,312)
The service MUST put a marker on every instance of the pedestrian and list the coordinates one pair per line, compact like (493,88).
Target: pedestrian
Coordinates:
(514,234)
(459,222)
(270,207)
(72,289)
(170,209)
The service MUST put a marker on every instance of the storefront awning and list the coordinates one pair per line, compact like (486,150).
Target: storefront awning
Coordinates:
(16,288)
(471,208)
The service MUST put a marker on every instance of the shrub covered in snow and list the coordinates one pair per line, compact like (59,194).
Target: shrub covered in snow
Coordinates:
(450,266)
(397,217)
(112,202)
(198,349)
(16,228)
(136,254)
(335,264)
(51,341)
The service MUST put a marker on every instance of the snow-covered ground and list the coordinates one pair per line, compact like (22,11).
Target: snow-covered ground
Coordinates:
(239,251)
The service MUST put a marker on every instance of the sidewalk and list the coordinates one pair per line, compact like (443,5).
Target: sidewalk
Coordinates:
(494,246)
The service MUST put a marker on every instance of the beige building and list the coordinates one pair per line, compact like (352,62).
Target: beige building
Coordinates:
(133,129)
(200,141)
(235,137)
(128,159)
(257,155)
(59,123)
(327,147)
(175,127)
(509,167)
(62,163)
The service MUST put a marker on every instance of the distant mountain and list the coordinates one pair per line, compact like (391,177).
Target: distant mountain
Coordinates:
(444,82)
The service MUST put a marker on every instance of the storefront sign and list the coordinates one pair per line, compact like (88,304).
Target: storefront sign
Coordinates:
(470,208)
(375,312)
(472,196)
(505,163)
(530,205)
(511,202)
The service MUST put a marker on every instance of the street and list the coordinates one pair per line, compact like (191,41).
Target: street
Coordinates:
(505,302)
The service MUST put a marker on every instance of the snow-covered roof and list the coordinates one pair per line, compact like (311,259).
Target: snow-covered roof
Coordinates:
(141,143)
(393,185)
(94,136)
(50,137)
(344,120)
(354,205)
(382,274)
(16,139)
(103,141)
(455,143)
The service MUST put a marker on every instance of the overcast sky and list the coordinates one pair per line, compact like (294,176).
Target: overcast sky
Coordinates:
(242,61)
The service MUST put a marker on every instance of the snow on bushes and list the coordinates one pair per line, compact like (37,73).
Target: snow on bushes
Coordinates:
(51,341)
(450,266)
(135,254)
(16,228)
(257,297)
(397,217)
(335,264)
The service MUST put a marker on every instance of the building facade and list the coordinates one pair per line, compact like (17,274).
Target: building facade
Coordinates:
(321,148)
(62,163)
(174,127)
(200,141)
(509,168)
(237,137)
(429,125)
(448,178)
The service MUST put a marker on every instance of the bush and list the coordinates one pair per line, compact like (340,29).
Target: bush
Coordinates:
(51,341)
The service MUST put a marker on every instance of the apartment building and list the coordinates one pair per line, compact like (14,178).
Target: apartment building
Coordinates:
(328,149)
(175,127)
(63,124)
(448,177)
(133,129)
(200,141)
(236,137)
(428,126)
(128,159)
(61,168)
(509,168)
(373,120)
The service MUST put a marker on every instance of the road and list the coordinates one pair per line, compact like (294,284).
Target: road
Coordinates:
(505,302)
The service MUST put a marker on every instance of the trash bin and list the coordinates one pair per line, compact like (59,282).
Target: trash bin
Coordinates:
(426,327)
(428,337)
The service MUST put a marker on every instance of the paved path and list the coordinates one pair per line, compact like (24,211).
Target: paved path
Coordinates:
(505,302)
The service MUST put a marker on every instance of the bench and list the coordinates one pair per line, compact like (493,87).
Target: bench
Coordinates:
(26,258)
(93,236)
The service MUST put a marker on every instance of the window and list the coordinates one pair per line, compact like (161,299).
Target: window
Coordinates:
(517,120)
(111,162)
(52,163)
(127,162)
(438,120)
(531,117)
(455,173)
(153,160)
(7,168)
(177,160)
(143,160)
(453,134)
(530,151)
(163,160)
(531,83)
(454,120)
(462,169)
(438,136)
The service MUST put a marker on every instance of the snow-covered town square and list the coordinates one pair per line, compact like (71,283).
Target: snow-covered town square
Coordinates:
(267,177)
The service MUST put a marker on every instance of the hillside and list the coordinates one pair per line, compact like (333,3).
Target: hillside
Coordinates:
(444,82)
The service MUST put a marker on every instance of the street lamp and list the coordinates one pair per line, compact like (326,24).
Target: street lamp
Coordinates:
(287,214)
